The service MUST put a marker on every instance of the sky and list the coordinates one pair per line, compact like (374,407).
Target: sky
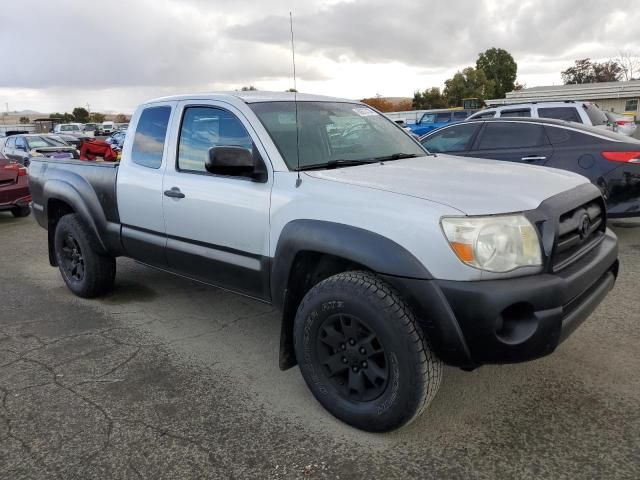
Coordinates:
(113,55)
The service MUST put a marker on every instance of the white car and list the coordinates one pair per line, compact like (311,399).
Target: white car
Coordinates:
(586,113)
(68,128)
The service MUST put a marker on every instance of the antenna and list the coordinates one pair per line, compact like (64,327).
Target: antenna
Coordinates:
(295,100)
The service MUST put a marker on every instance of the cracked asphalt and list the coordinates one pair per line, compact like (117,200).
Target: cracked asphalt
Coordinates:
(167,378)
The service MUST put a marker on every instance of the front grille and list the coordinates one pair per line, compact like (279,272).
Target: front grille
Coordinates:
(579,230)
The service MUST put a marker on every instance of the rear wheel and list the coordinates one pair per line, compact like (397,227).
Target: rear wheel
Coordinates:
(86,272)
(19,212)
(362,354)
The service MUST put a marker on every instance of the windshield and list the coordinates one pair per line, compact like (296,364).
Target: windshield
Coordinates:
(43,142)
(69,128)
(332,132)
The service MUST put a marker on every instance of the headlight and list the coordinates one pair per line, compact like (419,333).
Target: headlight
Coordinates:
(494,244)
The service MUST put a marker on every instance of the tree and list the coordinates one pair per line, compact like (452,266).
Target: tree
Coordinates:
(379,103)
(404,105)
(96,117)
(609,71)
(81,115)
(630,65)
(430,98)
(499,67)
(586,71)
(122,118)
(470,83)
(24,120)
(250,88)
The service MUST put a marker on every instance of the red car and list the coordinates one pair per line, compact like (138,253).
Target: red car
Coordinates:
(14,188)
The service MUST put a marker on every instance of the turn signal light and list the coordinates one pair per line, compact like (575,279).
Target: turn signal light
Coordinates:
(627,157)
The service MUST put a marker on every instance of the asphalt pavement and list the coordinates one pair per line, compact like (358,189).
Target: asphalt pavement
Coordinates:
(167,378)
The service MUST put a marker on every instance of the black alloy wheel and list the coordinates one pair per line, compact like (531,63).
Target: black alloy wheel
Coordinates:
(353,357)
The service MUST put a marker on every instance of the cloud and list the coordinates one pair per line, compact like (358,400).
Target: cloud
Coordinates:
(70,52)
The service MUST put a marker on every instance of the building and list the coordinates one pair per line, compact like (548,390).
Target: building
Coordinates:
(619,97)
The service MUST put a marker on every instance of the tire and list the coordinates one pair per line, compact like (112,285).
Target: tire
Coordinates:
(86,272)
(20,212)
(362,353)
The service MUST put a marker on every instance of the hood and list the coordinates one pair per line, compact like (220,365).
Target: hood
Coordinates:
(472,185)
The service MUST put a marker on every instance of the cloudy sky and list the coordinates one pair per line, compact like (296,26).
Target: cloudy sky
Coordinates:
(113,54)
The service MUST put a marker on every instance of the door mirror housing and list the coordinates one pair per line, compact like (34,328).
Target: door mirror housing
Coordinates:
(236,162)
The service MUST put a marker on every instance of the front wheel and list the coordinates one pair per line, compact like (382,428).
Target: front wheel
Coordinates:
(86,272)
(362,353)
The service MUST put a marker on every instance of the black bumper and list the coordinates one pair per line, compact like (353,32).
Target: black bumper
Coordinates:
(514,320)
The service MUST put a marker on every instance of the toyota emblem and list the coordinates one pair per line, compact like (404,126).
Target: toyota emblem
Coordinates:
(584,227)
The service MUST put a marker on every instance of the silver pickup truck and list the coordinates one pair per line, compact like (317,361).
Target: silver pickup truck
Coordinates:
(386,261)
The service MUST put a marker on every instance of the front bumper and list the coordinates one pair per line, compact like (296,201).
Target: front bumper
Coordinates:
(513,320)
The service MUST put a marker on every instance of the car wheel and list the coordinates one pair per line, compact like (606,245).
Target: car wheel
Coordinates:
(86,272)
(19,212)
(362,353)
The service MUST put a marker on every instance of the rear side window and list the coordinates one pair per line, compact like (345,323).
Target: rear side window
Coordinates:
(460,115)
(557,135)
(596,115)
(11,142)
(511,135)
(443,117)
(568,114)
(452,139)
(520,112)
(151,132)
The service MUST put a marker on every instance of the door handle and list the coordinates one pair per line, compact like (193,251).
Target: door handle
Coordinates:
(174,193)
(533,158)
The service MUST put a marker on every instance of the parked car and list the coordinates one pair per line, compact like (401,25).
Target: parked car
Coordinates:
(121,127)
(586,113)
(23,148)
(14,188)
(609,160)
(107,128)
(383,261)
(621,123)
(68,128)
(89,129)
(437,118)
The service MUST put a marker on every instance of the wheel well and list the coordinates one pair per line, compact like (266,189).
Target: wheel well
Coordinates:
(56,209)
(307,270)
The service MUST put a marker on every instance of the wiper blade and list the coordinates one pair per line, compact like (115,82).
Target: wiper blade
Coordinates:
(334,164)
(396,156)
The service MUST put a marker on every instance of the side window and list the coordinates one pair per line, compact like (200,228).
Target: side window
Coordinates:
(557,135)
(520,112)
(452,139)
(428,118)
(443,117)
(511,135)
(569,114)
(204,128)
(21,143)
(11,142)
(151,131)
(460,115)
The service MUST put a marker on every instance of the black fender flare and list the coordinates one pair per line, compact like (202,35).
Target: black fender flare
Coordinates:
(82,198)
(363,247)
(376,252)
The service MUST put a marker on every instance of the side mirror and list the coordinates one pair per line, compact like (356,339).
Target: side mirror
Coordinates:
(236,162)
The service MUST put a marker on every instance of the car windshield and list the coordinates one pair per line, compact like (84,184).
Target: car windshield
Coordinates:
(43,142)
(69,128)
(333,133)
